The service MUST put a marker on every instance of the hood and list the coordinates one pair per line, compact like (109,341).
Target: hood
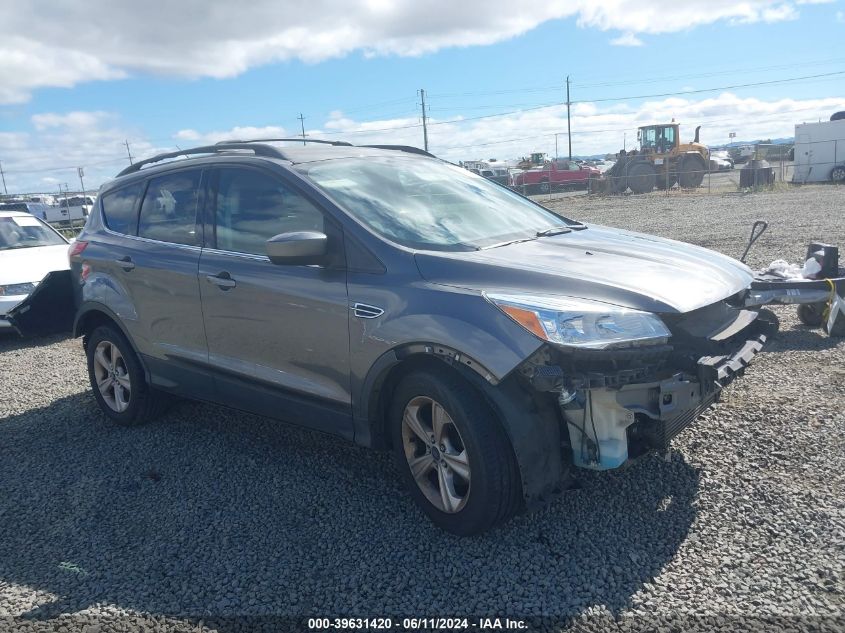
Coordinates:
(628,269)
(22,265)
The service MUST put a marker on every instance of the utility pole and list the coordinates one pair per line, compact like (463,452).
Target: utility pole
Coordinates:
(5,191)
(568,122)
(128,153)
(302,125)
(556,133)
(424,120)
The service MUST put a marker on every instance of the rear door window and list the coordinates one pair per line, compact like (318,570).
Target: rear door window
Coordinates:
(169,210)
(120,211)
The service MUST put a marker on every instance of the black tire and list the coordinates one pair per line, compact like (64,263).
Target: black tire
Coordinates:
(544,186)
(641,178)
(495,492)
(837,174)
(663,182)
(144,403)
(811,314)
(617,184)
(691,171)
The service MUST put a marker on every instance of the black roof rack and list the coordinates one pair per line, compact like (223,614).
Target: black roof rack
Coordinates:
(296,140)
(402,148)
(258,150)
(256,146)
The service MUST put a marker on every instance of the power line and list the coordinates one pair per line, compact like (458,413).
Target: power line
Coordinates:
(732,71)
(551,88)
(549,133)
(701,90)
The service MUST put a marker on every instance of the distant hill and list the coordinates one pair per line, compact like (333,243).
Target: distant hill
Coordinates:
(775,141)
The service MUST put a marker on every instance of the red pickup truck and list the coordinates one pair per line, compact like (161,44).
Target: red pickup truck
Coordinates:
(560,174)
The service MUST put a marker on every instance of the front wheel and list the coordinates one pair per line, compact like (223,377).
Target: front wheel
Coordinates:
(453,454)
(837,174)
(641,178)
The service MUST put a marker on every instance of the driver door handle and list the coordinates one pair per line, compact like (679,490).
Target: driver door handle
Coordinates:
(125,263)
(222,280)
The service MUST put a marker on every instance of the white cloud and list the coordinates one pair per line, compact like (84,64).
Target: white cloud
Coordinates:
(64,43)
(59,142)
(243,133)
(628,39)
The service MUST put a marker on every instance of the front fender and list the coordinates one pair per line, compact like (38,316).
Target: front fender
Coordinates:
(463,328)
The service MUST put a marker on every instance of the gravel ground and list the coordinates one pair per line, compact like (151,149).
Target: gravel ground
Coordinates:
(215,520)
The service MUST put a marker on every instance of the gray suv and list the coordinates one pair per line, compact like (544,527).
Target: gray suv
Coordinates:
(403,303)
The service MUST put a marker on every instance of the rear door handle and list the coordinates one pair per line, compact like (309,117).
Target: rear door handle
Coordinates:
(125,263)
(222,280)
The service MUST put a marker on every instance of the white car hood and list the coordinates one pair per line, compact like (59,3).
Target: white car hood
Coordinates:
(23,265)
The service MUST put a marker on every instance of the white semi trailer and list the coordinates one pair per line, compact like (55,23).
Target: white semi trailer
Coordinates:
(819,152)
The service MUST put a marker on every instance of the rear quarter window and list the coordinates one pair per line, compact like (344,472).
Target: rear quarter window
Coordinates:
(120,209)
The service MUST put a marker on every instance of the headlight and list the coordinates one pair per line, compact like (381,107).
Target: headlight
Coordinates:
(582,323)
(16,289)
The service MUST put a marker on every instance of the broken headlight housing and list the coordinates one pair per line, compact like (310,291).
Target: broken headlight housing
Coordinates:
(10,290)
(582,323)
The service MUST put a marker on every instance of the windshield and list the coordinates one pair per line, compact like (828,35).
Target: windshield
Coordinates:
(428,204)
(25,232)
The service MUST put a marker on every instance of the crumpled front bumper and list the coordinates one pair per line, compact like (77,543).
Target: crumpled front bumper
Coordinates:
(609,426)
(714,373)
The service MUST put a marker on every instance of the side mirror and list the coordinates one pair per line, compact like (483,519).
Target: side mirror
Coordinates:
(297,248)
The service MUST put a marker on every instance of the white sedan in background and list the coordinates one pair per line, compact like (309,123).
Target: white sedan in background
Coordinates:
(29,250)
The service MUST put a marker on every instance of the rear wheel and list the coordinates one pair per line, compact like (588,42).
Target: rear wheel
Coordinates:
(664,182)
(691,172)
(545,187)
(641,178)
(118,381)
(452,453)
(837,174)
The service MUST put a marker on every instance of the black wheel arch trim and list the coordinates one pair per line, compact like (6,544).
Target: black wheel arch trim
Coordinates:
(90,307)
(532,426)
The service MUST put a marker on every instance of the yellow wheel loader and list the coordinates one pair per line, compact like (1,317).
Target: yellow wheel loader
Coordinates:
(661,161)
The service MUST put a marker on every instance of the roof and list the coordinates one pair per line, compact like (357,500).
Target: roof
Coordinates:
(4,213)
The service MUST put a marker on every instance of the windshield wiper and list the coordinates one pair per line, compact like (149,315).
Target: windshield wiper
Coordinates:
(509,242)
(555,230)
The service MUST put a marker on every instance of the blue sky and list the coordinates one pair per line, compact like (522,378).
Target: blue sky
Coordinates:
(74,105)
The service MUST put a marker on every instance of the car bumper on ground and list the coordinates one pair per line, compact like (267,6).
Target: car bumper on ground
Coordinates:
(48,309)
(7,302)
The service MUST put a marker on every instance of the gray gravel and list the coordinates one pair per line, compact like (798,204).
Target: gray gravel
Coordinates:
(215,520)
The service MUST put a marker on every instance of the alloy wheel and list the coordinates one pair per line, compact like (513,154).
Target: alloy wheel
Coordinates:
(436,454)
(112,376)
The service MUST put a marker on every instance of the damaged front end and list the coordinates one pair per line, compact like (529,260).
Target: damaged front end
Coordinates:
(624,400)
